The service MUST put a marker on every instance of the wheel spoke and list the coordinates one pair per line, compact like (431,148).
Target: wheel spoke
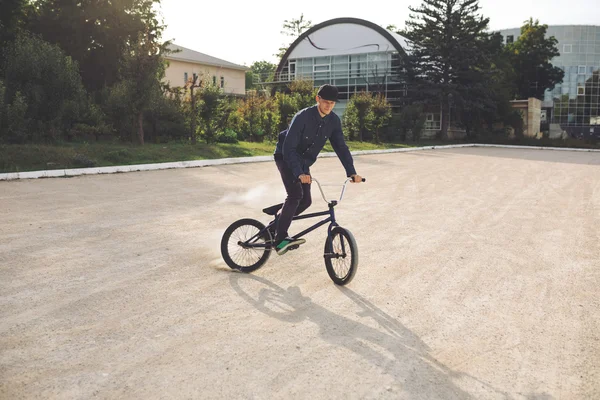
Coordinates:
(241,256)
(341,265)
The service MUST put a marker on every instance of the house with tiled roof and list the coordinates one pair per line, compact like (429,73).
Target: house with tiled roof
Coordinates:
(183,63)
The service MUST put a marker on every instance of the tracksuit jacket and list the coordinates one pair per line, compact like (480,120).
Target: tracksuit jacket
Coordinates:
(301,143)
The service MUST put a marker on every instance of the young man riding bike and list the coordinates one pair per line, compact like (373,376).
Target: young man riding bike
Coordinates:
(297,149)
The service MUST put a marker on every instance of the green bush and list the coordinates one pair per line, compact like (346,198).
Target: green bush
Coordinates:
(3,132)
(366,117)
(116,105)
(50,86)
(380,116)
(412,122)
(17,122)
(209,106)
(304,93)
(287,106)
(515,120)
(227,136)
(252,113)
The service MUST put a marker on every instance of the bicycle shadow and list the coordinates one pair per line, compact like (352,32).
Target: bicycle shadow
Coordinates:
(392,348)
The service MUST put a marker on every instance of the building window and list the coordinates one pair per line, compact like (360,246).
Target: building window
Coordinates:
(321,68)
(214,80)
(580,90)
(433,121)
(356,64)
(222,82)
(510,39)
(185,78)
(567,48)
(581,70)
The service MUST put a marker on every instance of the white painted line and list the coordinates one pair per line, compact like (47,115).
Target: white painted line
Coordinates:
(225,161)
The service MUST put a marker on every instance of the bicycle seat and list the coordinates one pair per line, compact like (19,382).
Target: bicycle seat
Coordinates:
(273,209)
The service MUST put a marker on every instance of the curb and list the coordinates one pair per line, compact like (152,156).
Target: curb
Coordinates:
(508,146)
(62,173)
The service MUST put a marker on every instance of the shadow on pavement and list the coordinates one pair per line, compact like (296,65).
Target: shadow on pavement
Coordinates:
(391,347)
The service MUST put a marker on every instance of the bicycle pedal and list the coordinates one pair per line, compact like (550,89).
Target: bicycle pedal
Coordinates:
(293,247)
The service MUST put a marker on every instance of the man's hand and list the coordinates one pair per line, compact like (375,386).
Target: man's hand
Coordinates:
(356,178)
(304,178)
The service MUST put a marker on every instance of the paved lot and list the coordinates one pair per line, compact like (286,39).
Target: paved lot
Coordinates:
(479,277)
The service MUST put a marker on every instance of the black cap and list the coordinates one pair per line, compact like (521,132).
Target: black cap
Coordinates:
(328,92)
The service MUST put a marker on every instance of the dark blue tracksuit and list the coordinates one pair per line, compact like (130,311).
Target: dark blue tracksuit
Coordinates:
(297,149)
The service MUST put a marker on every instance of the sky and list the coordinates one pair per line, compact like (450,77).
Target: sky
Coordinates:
(243,32)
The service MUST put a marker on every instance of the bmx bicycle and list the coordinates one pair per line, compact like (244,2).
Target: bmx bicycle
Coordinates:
(247,243)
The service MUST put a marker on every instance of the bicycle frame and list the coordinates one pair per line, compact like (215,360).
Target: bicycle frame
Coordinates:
(331,220)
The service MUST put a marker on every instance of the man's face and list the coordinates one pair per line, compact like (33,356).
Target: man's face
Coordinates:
(325,106)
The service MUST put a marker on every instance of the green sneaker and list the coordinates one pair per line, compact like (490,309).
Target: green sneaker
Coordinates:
(288,244)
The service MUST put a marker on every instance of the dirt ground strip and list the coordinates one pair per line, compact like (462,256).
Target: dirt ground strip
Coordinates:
(479,277)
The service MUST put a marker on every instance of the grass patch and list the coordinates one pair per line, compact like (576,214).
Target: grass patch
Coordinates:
(34,157)
(21,158)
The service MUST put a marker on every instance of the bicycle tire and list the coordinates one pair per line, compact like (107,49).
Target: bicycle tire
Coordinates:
(341,272)
(241,231)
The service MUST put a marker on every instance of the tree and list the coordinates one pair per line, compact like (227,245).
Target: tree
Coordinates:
(13,17)
(143,67)
(448,45)
(96,34)
(263,71)
(41,78)
(530,57)
(193,83)
(485,99)
(293,28)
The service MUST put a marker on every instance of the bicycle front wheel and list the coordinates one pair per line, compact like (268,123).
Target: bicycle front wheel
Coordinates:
(341,256)
(246,245)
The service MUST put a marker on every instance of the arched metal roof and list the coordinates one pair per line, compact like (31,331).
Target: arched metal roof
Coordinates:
(393,38)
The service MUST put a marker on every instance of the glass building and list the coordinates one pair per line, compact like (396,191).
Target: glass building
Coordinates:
(353,54)
(575,103)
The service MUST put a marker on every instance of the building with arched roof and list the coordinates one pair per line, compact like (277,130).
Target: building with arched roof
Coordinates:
(351,53)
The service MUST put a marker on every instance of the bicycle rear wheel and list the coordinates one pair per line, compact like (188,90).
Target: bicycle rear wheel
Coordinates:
(235,243)
(341,256)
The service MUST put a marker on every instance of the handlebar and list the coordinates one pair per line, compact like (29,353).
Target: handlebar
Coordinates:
(343,188)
